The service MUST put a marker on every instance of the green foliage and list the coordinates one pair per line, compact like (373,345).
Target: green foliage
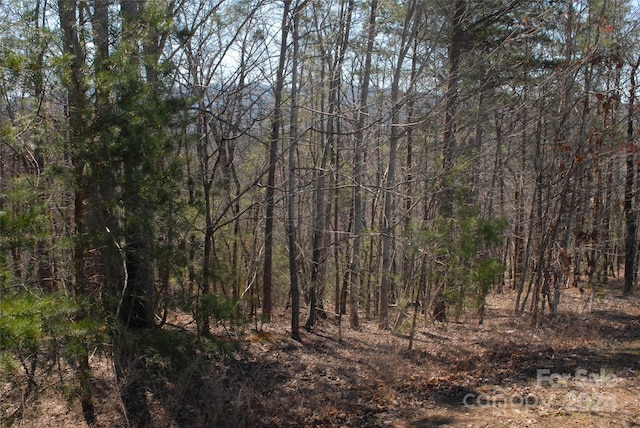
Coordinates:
(23,219)
(218,308)
(463,249)
(8,365)
(24,222)
(163,349)
(30,324)
(166,352)
(5,274)
(14,62)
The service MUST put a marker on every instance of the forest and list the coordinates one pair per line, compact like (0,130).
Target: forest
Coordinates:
(319,213)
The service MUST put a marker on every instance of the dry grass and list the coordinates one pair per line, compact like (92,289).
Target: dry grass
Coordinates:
(369,378)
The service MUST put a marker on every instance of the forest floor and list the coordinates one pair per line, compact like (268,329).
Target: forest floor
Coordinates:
(581,369)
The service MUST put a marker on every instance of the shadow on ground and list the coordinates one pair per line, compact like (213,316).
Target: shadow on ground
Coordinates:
(173,378)
(433,422)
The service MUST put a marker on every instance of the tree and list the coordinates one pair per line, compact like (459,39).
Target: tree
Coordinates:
(412,17)
(142,108)
(77,115)
(630,260)
(358,169)
(274,135)
(291,205)
(451,96)
(335,68)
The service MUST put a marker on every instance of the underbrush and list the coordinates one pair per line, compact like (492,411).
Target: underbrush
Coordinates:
(174,378)
(168,377)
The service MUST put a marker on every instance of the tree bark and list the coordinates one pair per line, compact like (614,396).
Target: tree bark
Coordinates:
(451,105)
(631,249)
(408,34)
(291,206)
(76,104)
(318,252)
(276,123)
(358,170)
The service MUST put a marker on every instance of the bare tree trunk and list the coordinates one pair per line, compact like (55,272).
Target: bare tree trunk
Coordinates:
(451,105)
(358,172)
(408,34)
(408,259)
(291,206)
(317,253)
(317,241)
(276,123)
(629,213)
(207,177)
(67,10)
(449,134)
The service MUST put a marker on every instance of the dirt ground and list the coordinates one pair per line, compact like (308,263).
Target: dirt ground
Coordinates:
(581,369)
